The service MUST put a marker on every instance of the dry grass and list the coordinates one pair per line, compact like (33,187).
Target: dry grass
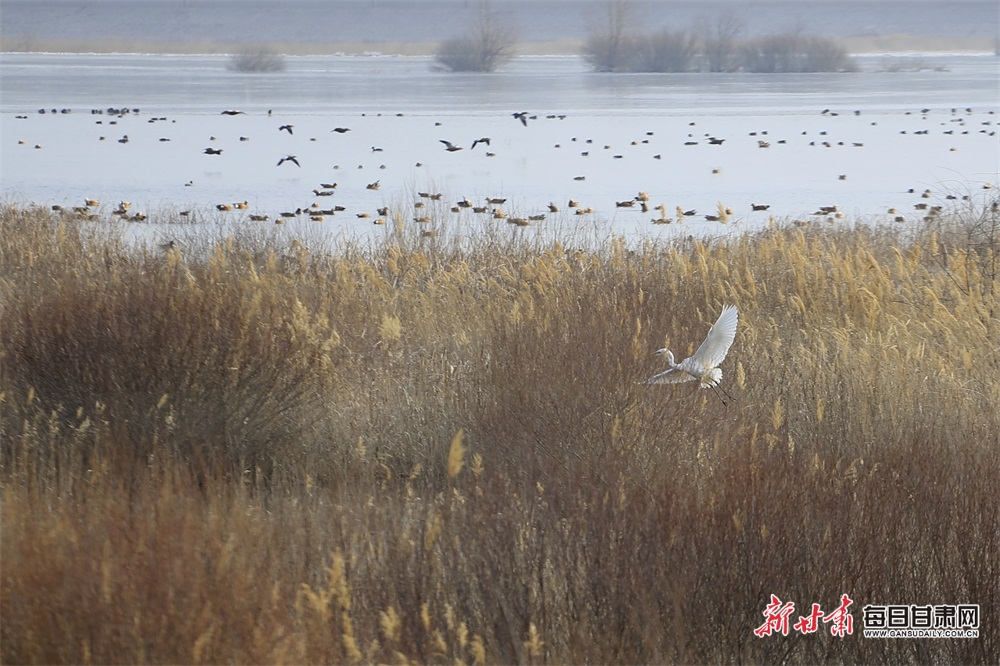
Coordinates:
(434,451)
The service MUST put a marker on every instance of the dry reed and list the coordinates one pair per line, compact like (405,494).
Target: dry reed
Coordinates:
(257,451)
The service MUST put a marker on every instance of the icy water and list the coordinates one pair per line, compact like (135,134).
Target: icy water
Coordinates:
(902,123)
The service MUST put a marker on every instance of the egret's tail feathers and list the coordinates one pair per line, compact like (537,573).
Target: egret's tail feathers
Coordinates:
(711,378)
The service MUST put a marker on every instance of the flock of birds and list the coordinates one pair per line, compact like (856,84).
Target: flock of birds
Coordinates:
(957,123)
(703,365)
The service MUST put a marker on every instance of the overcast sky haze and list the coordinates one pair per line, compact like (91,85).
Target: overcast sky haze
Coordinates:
(318,21)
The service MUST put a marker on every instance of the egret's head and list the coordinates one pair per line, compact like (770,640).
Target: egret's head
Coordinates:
(666,352)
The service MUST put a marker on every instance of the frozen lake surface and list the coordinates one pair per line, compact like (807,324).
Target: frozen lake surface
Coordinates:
(902,123)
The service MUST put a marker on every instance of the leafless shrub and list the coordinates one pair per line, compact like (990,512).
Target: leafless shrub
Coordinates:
(719,40)
(790,53)
(771,54)
(461,55)
(257,59)
(490,45)
(665,51)
(713,46)
(609,48)
(825,55)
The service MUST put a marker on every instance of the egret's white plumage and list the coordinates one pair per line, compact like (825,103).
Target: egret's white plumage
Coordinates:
(703,365)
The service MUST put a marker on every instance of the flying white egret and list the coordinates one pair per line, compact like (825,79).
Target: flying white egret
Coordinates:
(703,365)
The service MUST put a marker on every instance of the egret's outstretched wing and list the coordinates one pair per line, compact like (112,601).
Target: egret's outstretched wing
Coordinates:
(715,347)
(669,376)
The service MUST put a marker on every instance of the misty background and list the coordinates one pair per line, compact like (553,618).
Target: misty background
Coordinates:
(27,25)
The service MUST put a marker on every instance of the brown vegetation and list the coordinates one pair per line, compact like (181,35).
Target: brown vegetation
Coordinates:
(437,450)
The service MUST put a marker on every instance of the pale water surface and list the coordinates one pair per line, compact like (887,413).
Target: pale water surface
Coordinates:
(405,107)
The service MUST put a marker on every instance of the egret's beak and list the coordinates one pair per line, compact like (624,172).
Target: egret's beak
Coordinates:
(661,352)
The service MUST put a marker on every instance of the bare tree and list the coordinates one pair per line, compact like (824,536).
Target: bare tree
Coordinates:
(715,44)
(257,59)
(719,42)
(490,43)
(608,48)
(665,51)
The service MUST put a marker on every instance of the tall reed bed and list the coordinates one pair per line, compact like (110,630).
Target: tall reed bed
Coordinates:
(430,449)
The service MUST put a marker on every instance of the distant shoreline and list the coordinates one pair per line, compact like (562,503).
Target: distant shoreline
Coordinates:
(857,45)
